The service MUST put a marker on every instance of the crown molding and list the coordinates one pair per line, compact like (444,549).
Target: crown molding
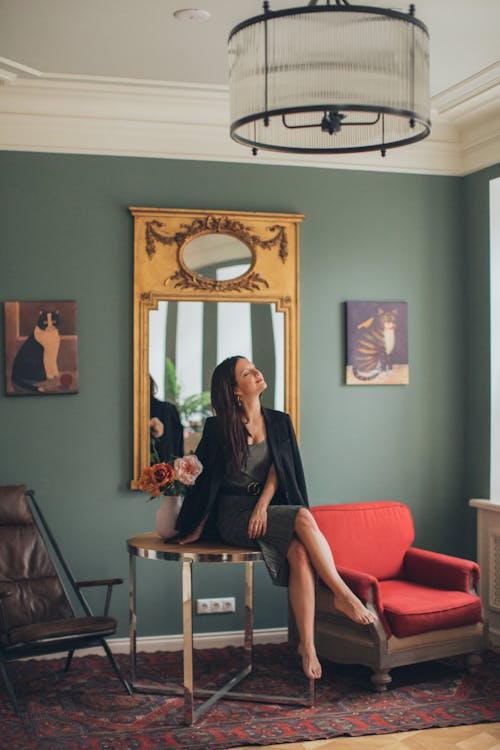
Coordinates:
(10,70)
(128,117)
(473,109)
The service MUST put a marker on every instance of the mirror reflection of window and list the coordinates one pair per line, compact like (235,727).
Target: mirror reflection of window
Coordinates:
(212,254)
(188,351)
(187,341)
(157,347)
(234,323)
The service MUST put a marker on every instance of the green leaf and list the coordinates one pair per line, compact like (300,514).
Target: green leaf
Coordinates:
(197,403)
(172,386)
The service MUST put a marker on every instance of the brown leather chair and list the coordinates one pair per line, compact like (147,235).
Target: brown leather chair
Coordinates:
(36,614)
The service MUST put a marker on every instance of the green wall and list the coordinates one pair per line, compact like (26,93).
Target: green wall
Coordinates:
(65,233)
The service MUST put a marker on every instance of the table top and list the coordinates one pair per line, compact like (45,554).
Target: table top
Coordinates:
(151,545)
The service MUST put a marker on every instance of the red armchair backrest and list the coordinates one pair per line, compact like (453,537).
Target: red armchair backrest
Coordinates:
(369,537)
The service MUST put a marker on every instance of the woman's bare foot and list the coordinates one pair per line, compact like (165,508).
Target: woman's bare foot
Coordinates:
(310,663)
(355,610)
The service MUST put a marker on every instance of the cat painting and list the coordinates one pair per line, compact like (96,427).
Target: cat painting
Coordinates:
(36,360)
(375,346)
(377,343)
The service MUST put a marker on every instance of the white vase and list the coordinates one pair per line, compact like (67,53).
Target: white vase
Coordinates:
(166,515)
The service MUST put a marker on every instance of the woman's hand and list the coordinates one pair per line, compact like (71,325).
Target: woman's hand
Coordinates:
(257,525)
(194,535)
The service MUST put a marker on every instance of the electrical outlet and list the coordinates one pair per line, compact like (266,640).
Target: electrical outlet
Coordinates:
(203,606)
(223,605)
(228,604)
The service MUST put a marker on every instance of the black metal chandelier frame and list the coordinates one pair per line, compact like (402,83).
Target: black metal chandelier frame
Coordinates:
(332,113)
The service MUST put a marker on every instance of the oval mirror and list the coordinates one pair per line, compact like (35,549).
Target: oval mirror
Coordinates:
(217,256)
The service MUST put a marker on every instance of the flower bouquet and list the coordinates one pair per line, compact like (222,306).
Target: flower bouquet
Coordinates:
(171,480)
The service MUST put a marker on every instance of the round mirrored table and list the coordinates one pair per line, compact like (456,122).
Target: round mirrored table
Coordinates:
(150,546)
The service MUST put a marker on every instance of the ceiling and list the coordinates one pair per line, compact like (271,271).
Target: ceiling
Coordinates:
(124,77)
(142,40)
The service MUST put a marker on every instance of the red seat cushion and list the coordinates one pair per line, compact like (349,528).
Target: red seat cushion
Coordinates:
(370,537)
(411,608)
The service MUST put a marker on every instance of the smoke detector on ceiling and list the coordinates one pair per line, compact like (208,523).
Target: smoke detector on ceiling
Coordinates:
(191,14)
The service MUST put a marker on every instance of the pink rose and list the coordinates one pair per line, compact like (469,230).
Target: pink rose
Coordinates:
(188,469)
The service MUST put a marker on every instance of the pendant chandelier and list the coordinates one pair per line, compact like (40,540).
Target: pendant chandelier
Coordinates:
(329,79)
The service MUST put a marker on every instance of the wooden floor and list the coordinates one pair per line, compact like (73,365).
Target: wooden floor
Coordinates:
(476,737)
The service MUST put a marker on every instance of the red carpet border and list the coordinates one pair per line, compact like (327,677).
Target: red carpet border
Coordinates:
(87,708)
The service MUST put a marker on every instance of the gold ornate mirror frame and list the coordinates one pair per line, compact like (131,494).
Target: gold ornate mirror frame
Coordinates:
(160,273)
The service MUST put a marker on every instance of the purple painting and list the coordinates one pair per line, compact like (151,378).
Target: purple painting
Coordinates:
(377,343)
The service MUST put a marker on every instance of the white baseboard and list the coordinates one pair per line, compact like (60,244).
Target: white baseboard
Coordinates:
(175,642)
(201,640)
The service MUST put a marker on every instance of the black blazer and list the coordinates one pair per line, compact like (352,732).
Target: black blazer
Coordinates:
(171,442)
(200,500)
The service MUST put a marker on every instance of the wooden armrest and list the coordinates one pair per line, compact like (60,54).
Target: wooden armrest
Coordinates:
(99,582)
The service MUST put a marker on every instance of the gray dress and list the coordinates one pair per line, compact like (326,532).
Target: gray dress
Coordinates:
(234,511)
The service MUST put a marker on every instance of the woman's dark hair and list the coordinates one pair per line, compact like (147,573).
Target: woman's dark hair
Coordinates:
(153,388)
(232,432)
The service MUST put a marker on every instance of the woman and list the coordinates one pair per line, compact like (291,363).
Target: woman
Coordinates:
(168,438)
(252,493)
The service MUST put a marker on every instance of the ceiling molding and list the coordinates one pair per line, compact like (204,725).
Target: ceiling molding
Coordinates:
(128,117)
(10,70)
(473,109)
(486,83)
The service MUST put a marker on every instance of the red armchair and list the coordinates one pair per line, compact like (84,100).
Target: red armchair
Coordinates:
(425,602)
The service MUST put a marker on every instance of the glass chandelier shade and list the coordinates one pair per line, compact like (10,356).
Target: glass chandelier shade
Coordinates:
(329,79)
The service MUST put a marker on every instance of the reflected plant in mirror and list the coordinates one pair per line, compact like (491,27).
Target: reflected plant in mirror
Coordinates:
(208,284)
(192,409)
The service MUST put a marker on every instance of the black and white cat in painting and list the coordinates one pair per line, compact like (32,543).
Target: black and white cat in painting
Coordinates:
(36,360)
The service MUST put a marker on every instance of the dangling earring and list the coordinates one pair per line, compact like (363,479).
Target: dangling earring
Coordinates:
(238,402)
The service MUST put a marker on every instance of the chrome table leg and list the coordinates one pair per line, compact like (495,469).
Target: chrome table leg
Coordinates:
(187,630)
(132,619)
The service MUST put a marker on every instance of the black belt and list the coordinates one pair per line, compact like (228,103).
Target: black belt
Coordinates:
(252,489)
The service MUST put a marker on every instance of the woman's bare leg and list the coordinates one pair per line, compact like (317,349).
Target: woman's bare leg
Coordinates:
(321,557)
(301,594)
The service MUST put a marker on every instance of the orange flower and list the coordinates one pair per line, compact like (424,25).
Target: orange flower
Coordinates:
(163,473)
(148,483)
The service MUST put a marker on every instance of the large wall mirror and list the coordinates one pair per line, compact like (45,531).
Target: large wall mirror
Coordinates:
(207,285)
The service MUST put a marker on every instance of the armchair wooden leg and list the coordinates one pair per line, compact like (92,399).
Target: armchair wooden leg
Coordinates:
(8,685)
(381,679)
(473,662)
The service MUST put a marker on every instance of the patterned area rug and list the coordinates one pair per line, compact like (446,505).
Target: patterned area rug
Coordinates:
(86,707)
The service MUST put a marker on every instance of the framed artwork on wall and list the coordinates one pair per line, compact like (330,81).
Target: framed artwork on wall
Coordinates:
(377,343)
(41,348)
